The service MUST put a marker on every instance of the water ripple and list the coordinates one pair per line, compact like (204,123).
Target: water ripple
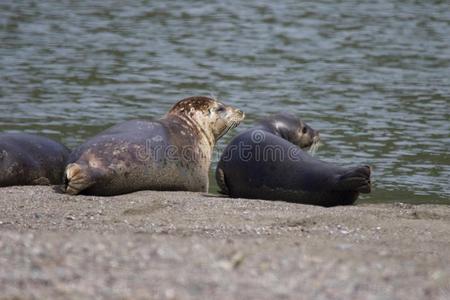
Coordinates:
(373,77)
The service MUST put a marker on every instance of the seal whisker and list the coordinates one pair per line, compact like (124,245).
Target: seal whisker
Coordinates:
(314,147)
(233,124)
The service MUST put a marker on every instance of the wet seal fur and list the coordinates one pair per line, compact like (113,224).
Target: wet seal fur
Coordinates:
(173,153)
(269,162)
(28,159)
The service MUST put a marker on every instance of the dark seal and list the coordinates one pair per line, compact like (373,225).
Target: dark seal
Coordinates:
(269,162)
(27,159)
(173,153)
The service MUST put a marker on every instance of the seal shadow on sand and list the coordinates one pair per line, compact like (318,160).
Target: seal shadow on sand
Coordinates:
(147,209)
(155,206)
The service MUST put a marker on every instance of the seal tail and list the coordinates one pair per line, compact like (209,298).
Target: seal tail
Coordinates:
(356,179)
(76,179)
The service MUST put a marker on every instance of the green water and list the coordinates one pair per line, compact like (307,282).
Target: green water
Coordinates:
(372,76)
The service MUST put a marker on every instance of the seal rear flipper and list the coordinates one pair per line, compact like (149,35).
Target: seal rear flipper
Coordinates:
(77,178)
(356,179)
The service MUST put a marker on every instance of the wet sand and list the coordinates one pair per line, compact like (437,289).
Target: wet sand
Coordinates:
(178,245)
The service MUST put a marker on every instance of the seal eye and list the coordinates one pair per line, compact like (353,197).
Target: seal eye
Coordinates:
(304,130)
(220,109)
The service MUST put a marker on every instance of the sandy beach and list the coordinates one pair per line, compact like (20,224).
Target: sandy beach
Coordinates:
(178,245)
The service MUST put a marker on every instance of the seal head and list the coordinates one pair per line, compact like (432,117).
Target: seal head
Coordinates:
(211,117)
(291,128)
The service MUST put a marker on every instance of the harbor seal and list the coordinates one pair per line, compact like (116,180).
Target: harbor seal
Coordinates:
(28,159)
(269,162)
(173,153)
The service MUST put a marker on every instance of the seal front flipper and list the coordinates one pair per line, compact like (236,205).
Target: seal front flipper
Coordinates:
(221,182)
(78,178)
(356,179)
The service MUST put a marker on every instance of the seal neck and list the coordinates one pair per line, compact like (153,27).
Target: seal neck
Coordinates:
(196,126)
(271,128)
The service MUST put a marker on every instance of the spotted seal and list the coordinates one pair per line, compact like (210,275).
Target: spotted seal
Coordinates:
(172,153)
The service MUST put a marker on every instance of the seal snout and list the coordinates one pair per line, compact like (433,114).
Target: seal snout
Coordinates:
(236,115)
(241,114)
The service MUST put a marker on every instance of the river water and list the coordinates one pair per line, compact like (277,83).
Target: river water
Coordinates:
(372,76)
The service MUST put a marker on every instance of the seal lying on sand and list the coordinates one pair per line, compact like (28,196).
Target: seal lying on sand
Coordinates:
(173,153)
(27,159)
(267,162)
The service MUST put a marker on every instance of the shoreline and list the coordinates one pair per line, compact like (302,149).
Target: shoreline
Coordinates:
(181,245)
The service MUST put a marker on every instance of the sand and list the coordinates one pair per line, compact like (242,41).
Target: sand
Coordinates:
(179,245)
